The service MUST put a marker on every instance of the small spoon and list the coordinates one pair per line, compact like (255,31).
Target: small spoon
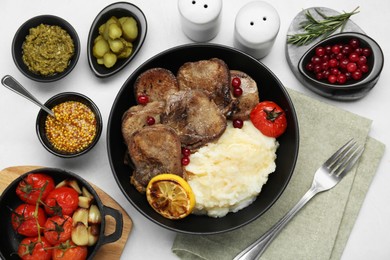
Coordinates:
(11,83)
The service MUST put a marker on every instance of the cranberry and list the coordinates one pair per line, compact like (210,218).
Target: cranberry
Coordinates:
(309,66)
(347,49)
(237,92)
(236,82)
(354,43)
(362,60)
(354,57)
(319,75)
(317,68)
(185,152)
(335,49)
(366,52)
(185,161)
(364,68)
(328,49)
(334,71)
(340,56)
(238,123)
(351,67)
(142,99)
(359,51)
(320,51)
(357,75)
(332,78)
(333,63)
(316,60)
(325,66)
(343,63)
(150,120)
(341,78)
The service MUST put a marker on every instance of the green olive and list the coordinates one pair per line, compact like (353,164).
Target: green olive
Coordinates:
(100,48)
(130,29)
(109,59)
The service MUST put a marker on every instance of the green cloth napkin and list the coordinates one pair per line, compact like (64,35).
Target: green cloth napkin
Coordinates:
(321,229)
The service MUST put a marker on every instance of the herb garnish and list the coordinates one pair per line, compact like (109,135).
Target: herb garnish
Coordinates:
(315,28)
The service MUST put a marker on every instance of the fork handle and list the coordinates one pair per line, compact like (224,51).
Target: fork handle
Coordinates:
(257,248)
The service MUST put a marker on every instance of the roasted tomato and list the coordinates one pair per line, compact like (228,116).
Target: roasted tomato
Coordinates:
(69,251)
(62,201)
(58,229)
(269,118)
(24,221)
(33,185)
(32,249)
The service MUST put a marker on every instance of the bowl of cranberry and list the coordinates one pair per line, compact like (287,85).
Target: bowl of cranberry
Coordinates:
(343,66)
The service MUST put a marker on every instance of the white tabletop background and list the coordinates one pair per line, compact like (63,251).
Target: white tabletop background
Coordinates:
(19,145)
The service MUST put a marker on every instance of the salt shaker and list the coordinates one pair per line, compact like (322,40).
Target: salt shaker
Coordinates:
(200,19)
(256,27)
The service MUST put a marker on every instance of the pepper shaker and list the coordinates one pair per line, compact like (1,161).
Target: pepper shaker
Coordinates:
(200,19)
(256,27)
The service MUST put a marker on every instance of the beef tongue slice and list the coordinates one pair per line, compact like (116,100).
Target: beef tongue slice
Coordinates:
(154,150)
(195,117)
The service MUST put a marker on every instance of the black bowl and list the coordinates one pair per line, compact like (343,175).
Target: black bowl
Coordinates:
(58,99)
(351,89)
(20,37)
(10,240)
(270,88)
(118,10)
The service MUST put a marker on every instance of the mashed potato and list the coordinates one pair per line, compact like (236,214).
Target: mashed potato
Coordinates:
(227,176)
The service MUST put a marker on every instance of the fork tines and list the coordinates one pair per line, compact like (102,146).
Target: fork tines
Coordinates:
(344,158)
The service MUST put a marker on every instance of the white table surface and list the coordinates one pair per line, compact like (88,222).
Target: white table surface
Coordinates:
(19,144)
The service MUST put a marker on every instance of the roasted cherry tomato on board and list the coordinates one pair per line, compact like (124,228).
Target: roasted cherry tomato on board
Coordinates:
(62,201)
(58,229)
(69,251)
(34,184)
(269,118)
(24,221)
(32,249)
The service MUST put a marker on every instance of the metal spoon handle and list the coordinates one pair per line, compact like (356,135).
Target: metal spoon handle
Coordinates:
(11,83)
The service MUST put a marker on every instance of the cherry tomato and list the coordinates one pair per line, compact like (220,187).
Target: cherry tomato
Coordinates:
(58,229)
(269,118)
(62,201)
(32,249)
(69,251)
(33,185)
(24,221)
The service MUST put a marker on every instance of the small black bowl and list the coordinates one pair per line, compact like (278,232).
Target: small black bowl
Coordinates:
(119,9)
(58,99)
(270,88)
(10,240)
(351,90)
(20,37)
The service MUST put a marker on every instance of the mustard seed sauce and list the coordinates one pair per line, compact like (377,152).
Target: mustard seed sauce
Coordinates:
(74,127)
(47,49)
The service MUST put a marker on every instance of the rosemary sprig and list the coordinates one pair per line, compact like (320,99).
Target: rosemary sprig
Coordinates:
(315,28)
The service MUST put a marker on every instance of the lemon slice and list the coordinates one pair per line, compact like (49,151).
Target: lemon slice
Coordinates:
(170,195)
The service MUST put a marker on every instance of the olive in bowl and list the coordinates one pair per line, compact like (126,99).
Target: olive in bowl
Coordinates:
(115,37)
(76,127)
(46,48)
(343,66)
(50,185)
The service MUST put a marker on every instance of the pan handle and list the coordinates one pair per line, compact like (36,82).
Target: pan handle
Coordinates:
(117,215)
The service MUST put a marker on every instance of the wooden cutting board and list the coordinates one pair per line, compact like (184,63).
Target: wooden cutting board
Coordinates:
(108,251)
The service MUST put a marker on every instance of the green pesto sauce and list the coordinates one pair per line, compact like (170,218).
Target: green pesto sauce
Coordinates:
(47,50)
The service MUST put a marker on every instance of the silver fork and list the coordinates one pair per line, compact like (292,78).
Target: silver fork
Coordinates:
(325,178)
